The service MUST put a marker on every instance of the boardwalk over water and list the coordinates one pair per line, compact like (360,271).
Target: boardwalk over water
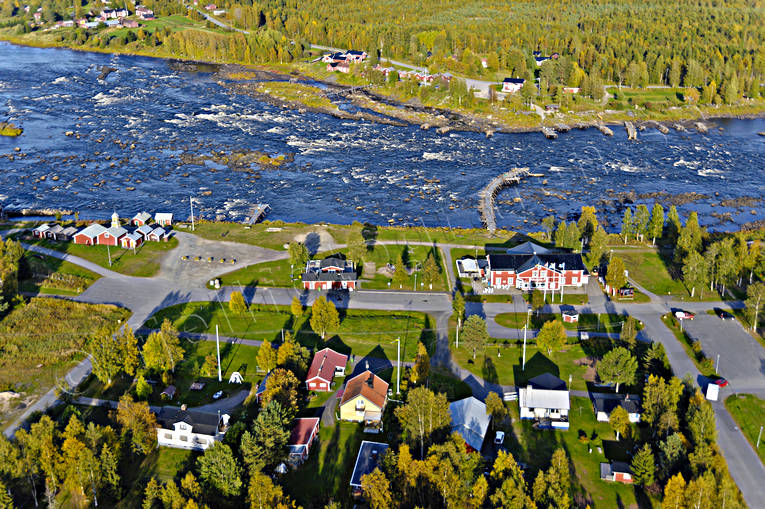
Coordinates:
(486,205)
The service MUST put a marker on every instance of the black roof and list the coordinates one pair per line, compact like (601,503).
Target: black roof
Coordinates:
(355,52)
(329,276)
(519,81)
(370,455)
(547,381)
(522,262)
(333,261)
(201,422)
(630,402)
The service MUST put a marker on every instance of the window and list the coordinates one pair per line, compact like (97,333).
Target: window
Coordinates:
(184,438)
(169,436)
(360,405)
(181,426)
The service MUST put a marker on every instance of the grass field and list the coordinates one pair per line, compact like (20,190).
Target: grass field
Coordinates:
(361,333)
(46,274)
(602,322)
(535,448)
(286,232)
(145,263)
(572,299)
(41,340)
(507,369)
(749,413)
(650,270)
(328,469)
(279,273)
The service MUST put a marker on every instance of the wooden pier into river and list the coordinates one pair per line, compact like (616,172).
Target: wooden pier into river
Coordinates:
(488,193)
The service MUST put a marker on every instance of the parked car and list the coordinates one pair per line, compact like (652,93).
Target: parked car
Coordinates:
(499,438)
(721,382)
(218,395)
(684,315)
(724,315)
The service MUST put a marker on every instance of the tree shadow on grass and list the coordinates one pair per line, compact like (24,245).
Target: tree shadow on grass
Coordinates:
(489,370)
(535,366)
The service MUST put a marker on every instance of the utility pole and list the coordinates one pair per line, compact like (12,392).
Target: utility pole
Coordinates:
(415,281)
(109,253)
(717,364)
(459,322)
(758,438)
(217,345)
(523,367)
(191,205)
(398,364)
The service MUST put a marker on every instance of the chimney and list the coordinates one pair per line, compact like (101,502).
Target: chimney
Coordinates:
(366,365)
(371,380)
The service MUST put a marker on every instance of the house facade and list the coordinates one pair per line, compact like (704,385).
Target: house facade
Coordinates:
(131,240)
(330,274)
(512,85)
(157,235)
(163,218)
(364,399)
(39,232)
(189,429)
(89,236)
(551,271)
(111,236)
(326,365)
(545,400)
(605,403)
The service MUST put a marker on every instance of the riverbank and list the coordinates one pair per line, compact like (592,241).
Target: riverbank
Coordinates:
(384,106)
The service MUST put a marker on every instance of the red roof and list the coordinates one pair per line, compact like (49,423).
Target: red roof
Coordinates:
(303,431)
(324,364)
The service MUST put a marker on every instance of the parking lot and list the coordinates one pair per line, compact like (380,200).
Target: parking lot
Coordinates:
(742,358)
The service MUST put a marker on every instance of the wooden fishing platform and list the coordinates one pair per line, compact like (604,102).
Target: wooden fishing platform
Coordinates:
(257,212)
(488,193)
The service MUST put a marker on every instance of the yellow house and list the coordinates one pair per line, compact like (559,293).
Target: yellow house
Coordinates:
(364,399)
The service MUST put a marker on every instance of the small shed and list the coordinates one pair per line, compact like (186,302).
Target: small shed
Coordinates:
(570,316)
(163,218)
(616,471)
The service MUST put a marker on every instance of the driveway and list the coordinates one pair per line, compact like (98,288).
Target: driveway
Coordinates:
(742,359)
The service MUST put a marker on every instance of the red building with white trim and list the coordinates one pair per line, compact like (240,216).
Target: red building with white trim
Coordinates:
(330,274)
(550,271)
(89,236)
(326,365)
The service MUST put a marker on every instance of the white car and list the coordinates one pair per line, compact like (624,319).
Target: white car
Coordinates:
(499,438)
(217,395)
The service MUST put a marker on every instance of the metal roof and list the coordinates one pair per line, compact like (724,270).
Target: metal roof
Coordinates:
(370,455)
(470,420)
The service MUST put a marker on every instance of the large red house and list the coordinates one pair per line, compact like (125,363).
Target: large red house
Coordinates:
(112,236)
(547,271)
(330,274)
(89,236)
(326,365)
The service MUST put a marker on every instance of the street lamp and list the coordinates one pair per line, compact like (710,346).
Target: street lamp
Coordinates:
(415,282)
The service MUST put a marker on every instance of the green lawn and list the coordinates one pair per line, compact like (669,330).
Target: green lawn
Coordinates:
(279,273)
(602,322)
(286,232)
(572,299)
(535,448)
(749,413)
(46,274)
(361,333)
(507,369)
(328,469)
(649,269)
(145,263)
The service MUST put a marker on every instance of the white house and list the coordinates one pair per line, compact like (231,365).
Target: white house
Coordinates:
(163,218)
(512,85)
(605,403)
(189,429)
(545,399)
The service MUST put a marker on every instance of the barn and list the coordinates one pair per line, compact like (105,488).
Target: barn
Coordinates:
(111,236)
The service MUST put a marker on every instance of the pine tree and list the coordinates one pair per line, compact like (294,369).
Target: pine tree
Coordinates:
(643,466)
(618,366)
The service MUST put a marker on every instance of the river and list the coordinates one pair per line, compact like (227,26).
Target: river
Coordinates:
(150,112)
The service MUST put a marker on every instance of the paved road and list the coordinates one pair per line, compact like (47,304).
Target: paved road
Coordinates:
(147,295)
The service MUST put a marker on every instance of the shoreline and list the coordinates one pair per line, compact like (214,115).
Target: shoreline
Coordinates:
(443,120)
